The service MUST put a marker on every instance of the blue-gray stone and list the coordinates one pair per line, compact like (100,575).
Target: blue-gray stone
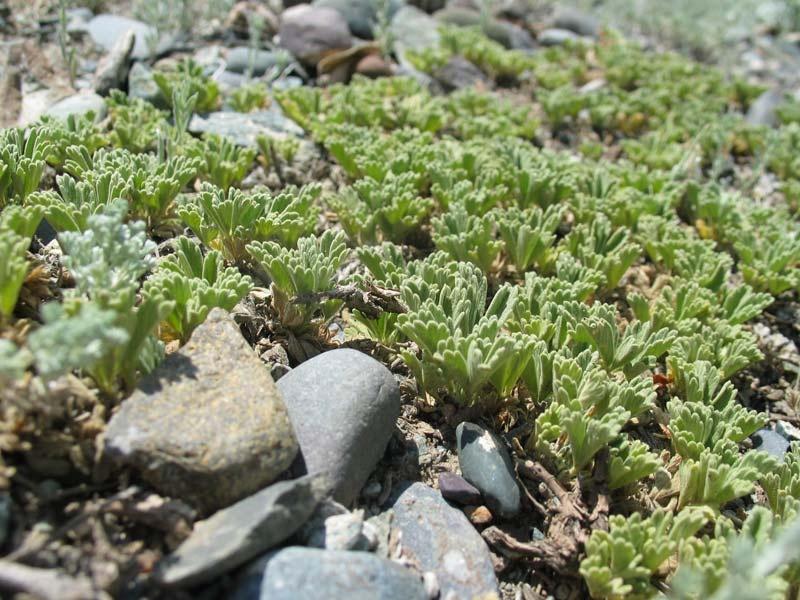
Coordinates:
(770,442)
(79,105)
(142,85)
(439,538)
(235,535)
(343,406)
(239,60)
(297,573)
(557,37)
(413,29)
(243,128)
(485,463)
(575,20)
(361,15)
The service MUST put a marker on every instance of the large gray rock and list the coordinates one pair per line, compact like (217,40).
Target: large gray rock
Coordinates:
(240,532)
(412,29)
(575,20)
(106,30)
(312,32)
(310,574)
(343,405)
(458,73)
(557,37)
(79,105)
(485,463)
(441,539)
(208,425)
(142,85)
(361,15)
(243,128)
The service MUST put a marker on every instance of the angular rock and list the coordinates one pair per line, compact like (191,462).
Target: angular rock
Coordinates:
(480,516)
(112,70)
(343,405)
(242,128)
(106,30)
(509,35)
(441,539)
(575,20)
(79,105)
(485,463)
(762,111)
(771,442)
(556,37)
(458,73)
(412,29)
(457,489)
(238,60)
(236,534)
(208,425)
(311,32)
(297,573)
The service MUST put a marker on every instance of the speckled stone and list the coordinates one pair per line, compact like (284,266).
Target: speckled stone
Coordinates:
(440,538)
(208,425)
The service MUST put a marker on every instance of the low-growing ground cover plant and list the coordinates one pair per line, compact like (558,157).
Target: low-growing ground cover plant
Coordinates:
(600,311)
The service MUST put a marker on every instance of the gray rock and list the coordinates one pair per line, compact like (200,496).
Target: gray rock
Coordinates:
(425,80)
(240,532)
(5,516)
(457,489)
(78,20)
(112,70)
(459,16)
(238,61)
(441,539)
(228,80)
(509,35)
(106,30)
(208,425)
(242,128)
(79,105)
(343,405)
(342,532)
(458,73)
(762,111)
(771,442)
(557,37)
(310,574)
(485,463)
(575,20)
(311,32)
(428,6)
(361,15)
(412,29)
(142,85)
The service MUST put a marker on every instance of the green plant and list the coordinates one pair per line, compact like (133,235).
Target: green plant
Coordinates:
(223,163)
(528,236)
(228,222)
(195,284)
(467,237)
(22,162)
(249,97)
(188,72)
(135,123)
(308,269)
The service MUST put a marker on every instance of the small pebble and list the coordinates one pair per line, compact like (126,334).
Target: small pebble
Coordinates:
(480,516)
(457,489)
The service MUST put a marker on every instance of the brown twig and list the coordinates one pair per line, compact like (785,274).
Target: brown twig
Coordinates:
(372,301)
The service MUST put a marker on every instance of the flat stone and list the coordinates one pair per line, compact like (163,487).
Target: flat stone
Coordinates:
(343,405)
(557,37)
(106,30)
(485,463)
(412,29)
(208,425)
(239,59)
(441,539)
(297,573)
(457,489)
(762,111)
(112,70)
(240,532)
(79,105)
(458,73)
(771,442)
(311,32)
(242,128)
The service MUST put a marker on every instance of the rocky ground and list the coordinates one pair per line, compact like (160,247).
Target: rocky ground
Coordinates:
(235,470)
